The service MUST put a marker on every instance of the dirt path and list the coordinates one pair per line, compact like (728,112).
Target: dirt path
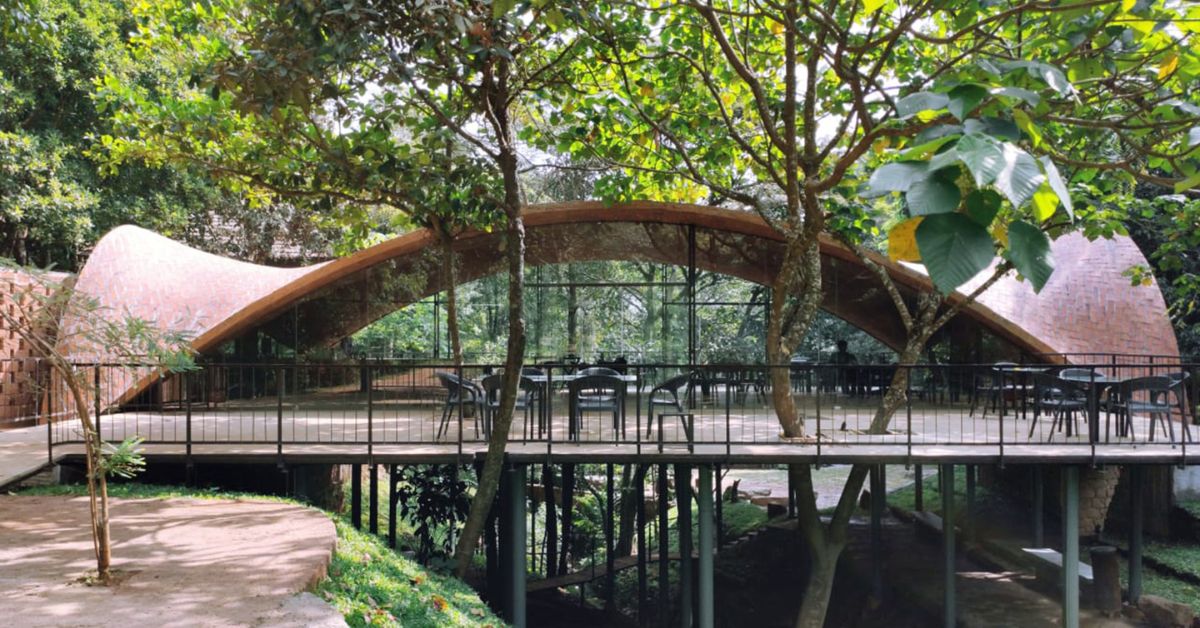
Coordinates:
(193,563)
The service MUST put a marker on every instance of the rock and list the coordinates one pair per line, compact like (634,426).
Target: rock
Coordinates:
(1163,612)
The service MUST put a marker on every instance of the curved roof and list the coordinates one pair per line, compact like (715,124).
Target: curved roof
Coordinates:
(1087,306)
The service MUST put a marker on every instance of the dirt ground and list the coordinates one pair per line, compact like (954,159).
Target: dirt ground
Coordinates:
(190,563)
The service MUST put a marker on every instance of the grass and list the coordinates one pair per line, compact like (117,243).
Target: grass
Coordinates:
(368,583)
(1191,506)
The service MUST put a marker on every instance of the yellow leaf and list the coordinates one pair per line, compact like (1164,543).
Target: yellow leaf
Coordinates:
(777,28)
(1045,202)
(902,241)
(646,90)
(1026,124)
(871,6)
(881,145)
(1127,5)
(1000,232)
(727,99)
(1168,66)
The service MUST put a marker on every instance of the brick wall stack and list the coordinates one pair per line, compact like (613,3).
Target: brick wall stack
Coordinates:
(19,386)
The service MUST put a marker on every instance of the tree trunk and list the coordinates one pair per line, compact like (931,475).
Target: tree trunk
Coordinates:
(97,484)
(823,570)
(451,272)
(631,477)
(493,462)
(551,521)
(781,379)
(568,516)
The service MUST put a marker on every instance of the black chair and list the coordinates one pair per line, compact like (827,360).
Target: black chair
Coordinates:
(528,399)
(595,393)
(1146,395)
(462,392)
(666,394)
(995,385)
(1060,398)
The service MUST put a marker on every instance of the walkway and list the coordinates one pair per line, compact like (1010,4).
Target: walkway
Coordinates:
(22,454)
(188,563)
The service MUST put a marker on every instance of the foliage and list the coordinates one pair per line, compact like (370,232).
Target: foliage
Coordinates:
(434,499)
(124,460)
(1167,228)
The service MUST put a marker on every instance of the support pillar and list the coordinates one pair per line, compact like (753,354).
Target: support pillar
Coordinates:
(1070,553)
(512,544)
(391,534)
(1136,513)
(664,504)
(356,496)
(919,488)
(610,574)
(969,511)
(683,492)
(1039,499)
(706,532)
(373,514)
(878,500)
(946,476)
(642,574)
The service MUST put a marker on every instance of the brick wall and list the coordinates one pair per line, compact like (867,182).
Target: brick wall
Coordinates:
(19,386)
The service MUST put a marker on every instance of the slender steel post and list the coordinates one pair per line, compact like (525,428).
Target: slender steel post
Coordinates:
(643,585)
(705,564)
(1039,518)
(356,496)
(279,413)
(949,613)
(391,536)
(683,521)
(96,383)
(877,500)
(370,412)
(919,488)
(1136,507)
(719,497)
(969,519)
(187,408)
(1070,555)
(373,507)
(514,545)
(610,562)
(664,548)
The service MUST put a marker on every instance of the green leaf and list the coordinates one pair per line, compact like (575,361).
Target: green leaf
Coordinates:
(964,99)
(1028,96)
(1029,251)
(937,194)
(921,151)
(1058,185)
(1026,124)
(871,6)
(895,177)
(1019,176)
(995,127)
(1194,136)
(954,249)
(1045,203)
(982,206)
(500,8)
(913,104)
(982,155)
(1187,184)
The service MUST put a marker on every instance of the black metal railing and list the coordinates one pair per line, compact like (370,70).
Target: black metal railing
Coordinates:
(376,407)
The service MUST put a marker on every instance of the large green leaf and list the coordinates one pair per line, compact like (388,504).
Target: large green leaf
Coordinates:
(983,157)
(1058,185)
(982,206)
(954,249)
(895,177)
(936,194)
(1029,252)
(913,104)
(1019,176)
(964,99)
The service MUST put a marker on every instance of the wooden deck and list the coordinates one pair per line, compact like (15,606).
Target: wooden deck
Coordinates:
(342,430)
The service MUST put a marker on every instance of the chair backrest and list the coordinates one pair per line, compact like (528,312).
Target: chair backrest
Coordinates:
(453,383)
(1156,388)
(597,383)
(673,384)
(493,383)
(598,370)
(529,370)
(1047,386)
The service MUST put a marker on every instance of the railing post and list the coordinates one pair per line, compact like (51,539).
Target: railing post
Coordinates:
(187,409)
(1135,533)
(949,570)
(279,374)
(96,385)
(50,416)
(1070,554)
(366,377)
(908,412)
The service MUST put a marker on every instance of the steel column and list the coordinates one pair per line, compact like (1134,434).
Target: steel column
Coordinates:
(513,544)
(373,514)
(391,535)
(949,613)
(706,532)
(877,505)
(919,488)
(1136,506)
(1070,554)
(610,573)
(1039,498)
(683,523)
(969,511)
(643,586)
(356,496)
(664,504)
